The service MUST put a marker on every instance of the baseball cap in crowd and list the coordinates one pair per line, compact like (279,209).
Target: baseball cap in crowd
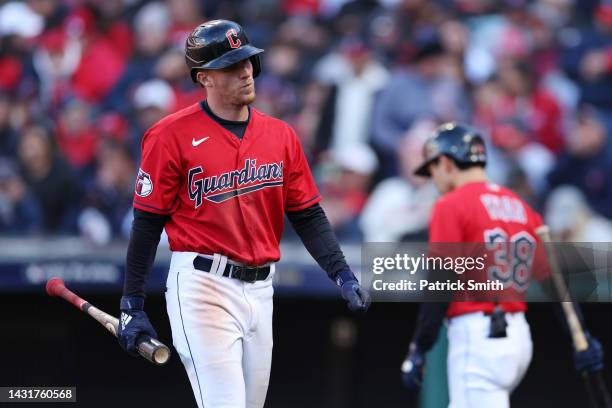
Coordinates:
(564,208)
(154,94)
(17,18)
(358,158)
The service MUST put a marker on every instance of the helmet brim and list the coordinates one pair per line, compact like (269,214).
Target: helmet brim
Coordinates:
(423,169)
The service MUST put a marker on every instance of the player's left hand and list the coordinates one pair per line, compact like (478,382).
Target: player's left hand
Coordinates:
(590,359)
(412,369)
(358,298)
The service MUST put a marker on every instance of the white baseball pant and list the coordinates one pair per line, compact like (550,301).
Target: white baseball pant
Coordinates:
(483,371)
(222,330)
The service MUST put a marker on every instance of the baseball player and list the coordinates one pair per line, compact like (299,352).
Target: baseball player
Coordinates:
(490,344)
(219,176)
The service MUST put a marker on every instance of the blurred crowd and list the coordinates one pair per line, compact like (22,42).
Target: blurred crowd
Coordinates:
(363,82)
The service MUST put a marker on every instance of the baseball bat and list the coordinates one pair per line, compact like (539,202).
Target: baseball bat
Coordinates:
(577,331)
(148,347)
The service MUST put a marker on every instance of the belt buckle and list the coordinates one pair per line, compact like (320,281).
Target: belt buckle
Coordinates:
(251,273)
(245,273)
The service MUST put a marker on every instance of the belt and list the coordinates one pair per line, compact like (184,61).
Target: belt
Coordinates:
(241,272)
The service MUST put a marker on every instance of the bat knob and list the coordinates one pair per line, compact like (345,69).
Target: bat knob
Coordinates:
(53,285)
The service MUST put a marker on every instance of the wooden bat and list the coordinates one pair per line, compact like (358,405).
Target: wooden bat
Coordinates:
(577,331)
(148,347)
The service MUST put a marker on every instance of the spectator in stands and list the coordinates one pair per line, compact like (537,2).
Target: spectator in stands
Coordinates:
(422,90)
(588,59)
(277,89)
(18,25)
(77,137)
(55,60)
(345,188)
(108,204)
(151,28)
(20,212)
(572,220)
(398,209)
(519,98)
(50,179)
(185,15)
(112,25)
(105,44)
(587,163)
(8,136)
(355,78)
(513,144)
(171,68)
(152,101)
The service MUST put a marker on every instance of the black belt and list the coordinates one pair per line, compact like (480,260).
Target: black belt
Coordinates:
(243,273)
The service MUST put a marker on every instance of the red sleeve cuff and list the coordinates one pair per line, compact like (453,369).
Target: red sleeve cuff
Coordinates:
(153,209)
(308,203)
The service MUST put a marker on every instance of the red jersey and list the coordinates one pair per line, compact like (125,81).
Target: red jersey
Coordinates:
(483,212)
(224,194)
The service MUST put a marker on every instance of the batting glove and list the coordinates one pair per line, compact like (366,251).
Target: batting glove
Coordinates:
(133,324)
(358,299)
(590,359)
(412,369)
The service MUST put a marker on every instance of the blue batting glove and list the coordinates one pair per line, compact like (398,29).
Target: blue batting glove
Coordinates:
(412,369)
(591,359)
(133,323)
(358,299)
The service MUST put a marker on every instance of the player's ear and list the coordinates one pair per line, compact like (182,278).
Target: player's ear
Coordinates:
(204,79)
(447,163)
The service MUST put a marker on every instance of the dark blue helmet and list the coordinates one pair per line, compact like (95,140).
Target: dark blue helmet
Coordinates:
(218,44)
(461,143)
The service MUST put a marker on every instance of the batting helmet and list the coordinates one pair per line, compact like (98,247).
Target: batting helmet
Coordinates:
(461,143)
(218,44)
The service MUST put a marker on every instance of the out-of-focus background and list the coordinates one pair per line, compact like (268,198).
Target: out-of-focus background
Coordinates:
(363,83)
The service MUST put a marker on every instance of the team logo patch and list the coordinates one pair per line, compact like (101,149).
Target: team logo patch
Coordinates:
(225,186)
(232,37)
(144,184)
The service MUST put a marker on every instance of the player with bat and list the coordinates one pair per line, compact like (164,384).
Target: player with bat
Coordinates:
(490,345)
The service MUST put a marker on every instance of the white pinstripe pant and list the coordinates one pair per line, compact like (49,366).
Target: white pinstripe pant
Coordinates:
(222,330)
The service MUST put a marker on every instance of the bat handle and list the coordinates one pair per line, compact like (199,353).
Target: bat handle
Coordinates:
(153,350)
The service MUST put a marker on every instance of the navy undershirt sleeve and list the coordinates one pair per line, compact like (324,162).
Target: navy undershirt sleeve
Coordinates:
(429,321)
(144,239)
(315,231)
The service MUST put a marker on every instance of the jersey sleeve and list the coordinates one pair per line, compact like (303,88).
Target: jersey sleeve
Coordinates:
(445,223)
(159,176)
(302,191)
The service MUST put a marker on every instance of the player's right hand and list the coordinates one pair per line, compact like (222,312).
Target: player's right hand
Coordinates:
(590,359)
(412,369)
(133,323)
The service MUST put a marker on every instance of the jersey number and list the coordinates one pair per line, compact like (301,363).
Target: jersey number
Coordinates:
(513,257)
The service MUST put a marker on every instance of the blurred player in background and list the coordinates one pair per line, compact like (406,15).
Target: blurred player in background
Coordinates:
(490,345)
